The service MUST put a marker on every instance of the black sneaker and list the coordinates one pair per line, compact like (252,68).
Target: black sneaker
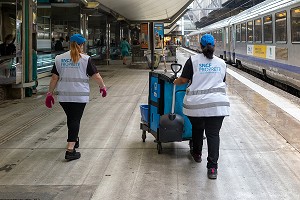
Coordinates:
(77,143)
(196,156)
(212,173)
(72,155)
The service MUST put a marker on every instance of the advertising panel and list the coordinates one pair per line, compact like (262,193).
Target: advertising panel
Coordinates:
(271,52)
(250,50)
(260,51)
(282,53)
(158,35)
(144,36)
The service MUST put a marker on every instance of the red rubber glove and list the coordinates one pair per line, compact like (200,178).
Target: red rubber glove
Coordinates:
(103,91)
(49,100)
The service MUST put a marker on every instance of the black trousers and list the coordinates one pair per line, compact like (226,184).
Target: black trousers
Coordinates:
(74,113)
(211,126)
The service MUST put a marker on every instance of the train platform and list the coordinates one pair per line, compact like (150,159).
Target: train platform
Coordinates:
(259,152)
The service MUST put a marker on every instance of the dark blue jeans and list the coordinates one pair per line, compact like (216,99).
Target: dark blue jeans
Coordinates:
(212,127)
(74,113)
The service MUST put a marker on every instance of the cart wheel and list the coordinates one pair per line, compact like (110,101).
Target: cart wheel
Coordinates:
(144,136)
(191,144)
(159,148)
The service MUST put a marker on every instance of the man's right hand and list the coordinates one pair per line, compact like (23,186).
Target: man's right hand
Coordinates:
(172,79)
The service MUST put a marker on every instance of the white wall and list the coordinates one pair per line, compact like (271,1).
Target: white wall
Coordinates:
(43,44)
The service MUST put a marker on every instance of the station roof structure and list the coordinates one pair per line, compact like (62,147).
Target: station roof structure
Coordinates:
(150,10)
(227,9)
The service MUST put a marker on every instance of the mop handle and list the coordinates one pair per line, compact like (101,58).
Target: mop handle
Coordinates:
(173,99)
(174,86)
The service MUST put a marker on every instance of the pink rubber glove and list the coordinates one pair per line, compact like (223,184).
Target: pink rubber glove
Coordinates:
(49,100)
(103,91)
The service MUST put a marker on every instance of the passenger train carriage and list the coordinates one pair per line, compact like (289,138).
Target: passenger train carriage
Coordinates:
(264,38)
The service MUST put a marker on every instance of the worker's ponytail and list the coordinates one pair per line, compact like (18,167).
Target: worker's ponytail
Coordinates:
(75,52)
(208,51)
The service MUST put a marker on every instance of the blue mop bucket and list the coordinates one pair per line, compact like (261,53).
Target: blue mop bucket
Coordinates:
(144,112)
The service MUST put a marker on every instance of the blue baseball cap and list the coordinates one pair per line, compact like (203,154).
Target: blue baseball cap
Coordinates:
(207,39)
(79,39)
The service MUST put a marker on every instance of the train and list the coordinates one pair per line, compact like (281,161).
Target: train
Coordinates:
(264,39)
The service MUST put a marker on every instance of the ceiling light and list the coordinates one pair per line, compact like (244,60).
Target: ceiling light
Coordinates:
(92,4)
(120,19)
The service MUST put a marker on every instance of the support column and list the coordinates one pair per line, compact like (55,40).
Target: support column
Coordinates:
(151,35)
(24,87)
(27,44)
(107,42)
(118,34)
(121,32)
(84,29)
(182,26)
(129,35)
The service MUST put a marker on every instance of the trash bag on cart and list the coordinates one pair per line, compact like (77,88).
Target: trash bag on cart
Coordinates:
(157,59)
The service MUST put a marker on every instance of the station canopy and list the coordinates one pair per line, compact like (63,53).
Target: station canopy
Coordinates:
(147,10)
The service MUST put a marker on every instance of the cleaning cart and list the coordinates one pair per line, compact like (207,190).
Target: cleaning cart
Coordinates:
(160,101)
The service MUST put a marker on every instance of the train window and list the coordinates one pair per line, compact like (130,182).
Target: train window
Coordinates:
(268,29)
(43,28)
(257,30)
(280,27)
(295,22)
(220,35)
(250,31)
(238,32)
(215,36)
(226,35)
(243,32)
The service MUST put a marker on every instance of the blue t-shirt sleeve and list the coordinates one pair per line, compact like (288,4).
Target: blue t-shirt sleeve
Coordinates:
(188,71)
(91,68)
(54,70)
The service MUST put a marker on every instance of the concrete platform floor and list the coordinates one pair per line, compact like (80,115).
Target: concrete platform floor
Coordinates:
(256,160)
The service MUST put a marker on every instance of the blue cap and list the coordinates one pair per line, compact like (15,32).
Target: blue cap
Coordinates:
(207,39)
(79,39)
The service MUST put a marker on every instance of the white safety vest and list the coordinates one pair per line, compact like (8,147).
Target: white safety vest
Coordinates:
(73,84)
(206,96)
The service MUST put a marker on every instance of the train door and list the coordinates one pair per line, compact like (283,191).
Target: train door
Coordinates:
(228,43)
(232,43)
(224,36)
(198,41)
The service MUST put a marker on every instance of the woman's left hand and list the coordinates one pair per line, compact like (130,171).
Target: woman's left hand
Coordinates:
(103,91)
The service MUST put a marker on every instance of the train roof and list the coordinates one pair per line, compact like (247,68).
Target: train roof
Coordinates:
(217,25)
(263,8)
(194,33)
(214,26)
